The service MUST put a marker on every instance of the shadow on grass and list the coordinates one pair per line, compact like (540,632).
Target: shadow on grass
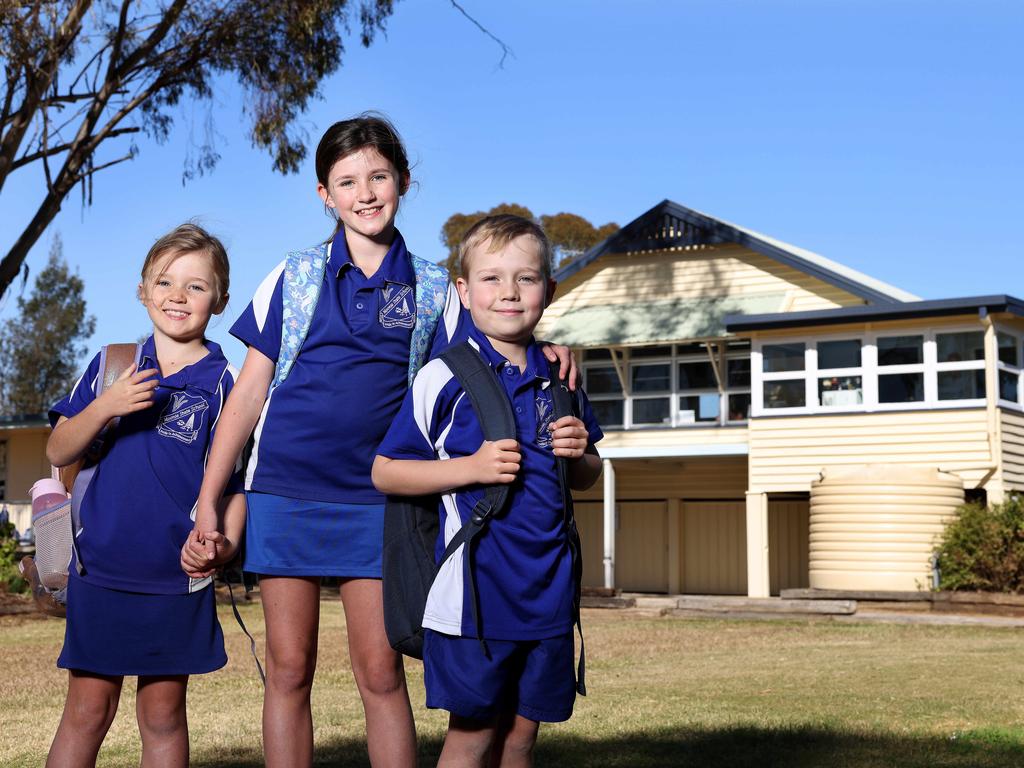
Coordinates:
(732,747)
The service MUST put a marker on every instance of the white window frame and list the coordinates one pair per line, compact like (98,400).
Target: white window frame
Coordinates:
(624,362)
(869,371)
(1018,369)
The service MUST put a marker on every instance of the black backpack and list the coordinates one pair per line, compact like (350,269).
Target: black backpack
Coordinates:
(412,523)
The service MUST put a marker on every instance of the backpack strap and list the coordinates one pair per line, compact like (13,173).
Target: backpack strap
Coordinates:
(303,281)
(431,294)
(115,359)
(494,412)
(565,403)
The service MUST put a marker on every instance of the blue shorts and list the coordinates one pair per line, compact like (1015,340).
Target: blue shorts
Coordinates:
(110,632)
(297,537)
(533,678)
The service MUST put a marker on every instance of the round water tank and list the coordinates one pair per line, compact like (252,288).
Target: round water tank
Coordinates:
(875,526)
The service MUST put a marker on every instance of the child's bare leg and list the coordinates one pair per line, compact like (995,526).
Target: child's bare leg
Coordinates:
(291,609)
(160,710)
(380,676)
(467,743)
(88,712)
(514,742)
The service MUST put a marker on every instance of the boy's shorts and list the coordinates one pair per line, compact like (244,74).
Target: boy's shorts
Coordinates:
(533,678)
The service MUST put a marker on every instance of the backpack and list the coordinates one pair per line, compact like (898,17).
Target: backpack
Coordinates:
(303,281)
(412,523)
(55,519)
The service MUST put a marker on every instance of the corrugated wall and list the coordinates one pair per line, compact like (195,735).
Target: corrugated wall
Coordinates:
(728,270)
(1013,449)
(788,544)
(786,454)
(26,460)
(713,550)
(698,478)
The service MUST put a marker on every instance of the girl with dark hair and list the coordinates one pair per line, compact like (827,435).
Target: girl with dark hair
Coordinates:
(334,334)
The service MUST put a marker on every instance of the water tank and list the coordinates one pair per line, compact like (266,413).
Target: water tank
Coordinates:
(875,526)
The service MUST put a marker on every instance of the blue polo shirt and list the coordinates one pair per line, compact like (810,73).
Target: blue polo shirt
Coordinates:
(521,561)
(319,430)
(137,511)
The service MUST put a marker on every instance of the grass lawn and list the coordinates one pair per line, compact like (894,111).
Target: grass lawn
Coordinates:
(663,692)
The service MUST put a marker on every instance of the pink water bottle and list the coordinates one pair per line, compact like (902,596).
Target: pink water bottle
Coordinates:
(47,494)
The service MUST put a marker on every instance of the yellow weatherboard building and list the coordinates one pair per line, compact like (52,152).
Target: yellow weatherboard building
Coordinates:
(731,371)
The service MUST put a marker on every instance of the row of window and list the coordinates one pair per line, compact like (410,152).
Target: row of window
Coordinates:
(706,385)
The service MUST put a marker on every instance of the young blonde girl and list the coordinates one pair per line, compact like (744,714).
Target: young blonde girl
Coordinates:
(313,510)
(131,610)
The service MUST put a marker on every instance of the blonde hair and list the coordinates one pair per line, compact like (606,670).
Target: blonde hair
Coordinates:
(499,231)
(191,238)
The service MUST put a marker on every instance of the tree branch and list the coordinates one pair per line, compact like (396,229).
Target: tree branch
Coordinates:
(505,50)
(50,152)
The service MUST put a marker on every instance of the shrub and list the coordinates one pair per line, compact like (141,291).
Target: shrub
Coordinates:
(10,578)
(983,549)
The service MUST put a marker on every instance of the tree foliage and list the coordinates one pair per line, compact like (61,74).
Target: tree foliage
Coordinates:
(983,549)
(570,234)
(41,349)
(82,76)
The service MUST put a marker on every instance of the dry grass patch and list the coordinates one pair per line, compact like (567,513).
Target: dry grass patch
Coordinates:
(664,691)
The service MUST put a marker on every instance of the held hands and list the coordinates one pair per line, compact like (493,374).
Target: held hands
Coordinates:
(204,553)
(496,462)
(131,392)
(568,437)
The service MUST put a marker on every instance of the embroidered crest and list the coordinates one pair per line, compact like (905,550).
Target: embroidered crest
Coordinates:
(399,310)
(545,415)
(182,419)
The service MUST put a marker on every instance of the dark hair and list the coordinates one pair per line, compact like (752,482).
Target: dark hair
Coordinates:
(191,238)
(366,130)
(497,232)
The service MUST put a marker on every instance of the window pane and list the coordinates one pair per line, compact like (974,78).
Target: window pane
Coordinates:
(739,372)
(597,354)
(840,390)
(602,380)
(1008,386)
(901,388)
(954,347)
(839,354)
(697,376)
(607,412)
(652,378)
(694,408)
(665,351)
(739,407)
(651,411)
(783,357)
(900,350)
(1008,349)
(785,394)
(961,385)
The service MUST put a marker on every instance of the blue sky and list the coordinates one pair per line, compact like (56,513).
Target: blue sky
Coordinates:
(883,135)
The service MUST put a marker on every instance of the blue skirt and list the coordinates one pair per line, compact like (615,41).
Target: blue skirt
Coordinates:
(297,537)
(110,632)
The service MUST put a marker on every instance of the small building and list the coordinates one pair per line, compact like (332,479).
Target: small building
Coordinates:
(728,369)
(22,462)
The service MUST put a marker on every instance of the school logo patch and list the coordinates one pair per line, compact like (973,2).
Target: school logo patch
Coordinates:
(399,310)
(182,419)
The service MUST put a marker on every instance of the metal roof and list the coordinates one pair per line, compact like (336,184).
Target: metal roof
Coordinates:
(669,320)
(932,308)
(671,225)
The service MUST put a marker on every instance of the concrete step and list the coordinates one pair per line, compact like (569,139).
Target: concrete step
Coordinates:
(769,605)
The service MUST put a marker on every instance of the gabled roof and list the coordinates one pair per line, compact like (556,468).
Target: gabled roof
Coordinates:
(933,308)
(670,225)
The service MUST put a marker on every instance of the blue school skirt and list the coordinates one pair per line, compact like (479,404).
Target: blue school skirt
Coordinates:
(110,632)
(298,537)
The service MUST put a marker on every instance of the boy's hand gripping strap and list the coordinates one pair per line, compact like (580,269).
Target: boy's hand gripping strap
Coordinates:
(303,280)
(494,412)
(564,404)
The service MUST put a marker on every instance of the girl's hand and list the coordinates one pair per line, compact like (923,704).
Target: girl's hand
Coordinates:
(131,392)
(569,437)
(195,561)
(567,369)
(496,462)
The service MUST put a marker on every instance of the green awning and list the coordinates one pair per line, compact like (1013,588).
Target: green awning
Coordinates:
(647,322)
